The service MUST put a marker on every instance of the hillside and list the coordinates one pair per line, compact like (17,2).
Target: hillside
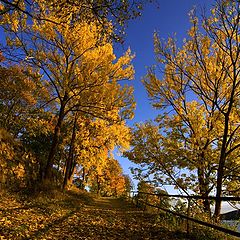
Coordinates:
(75,216)
(81,215)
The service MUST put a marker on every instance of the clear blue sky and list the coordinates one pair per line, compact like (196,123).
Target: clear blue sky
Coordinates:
(170,17)
(167,18)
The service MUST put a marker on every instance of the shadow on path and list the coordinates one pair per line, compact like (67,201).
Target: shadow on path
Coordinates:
(50,225)
(94,219)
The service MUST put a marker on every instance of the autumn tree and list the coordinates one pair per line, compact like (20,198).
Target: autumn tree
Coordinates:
(82,73)
(21,93)
(109,181)
(129,185)
(95,142)
(68,45)
(199,99)
(166,156)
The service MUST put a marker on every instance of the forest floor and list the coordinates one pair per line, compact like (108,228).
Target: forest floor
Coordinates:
(80,215)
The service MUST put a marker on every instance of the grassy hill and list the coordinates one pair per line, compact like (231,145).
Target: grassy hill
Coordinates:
(81,215)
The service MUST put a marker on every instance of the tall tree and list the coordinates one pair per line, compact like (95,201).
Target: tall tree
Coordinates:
(83,74)
(199,97)
(95,142)
(108,181)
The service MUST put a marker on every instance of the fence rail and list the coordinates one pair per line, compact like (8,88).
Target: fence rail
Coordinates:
(188,218)
(190,196)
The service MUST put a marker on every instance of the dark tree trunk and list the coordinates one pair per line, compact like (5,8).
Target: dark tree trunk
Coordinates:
(220,171)
(54,145)
(70,164)
(204,190)
(218,202)
(98,185)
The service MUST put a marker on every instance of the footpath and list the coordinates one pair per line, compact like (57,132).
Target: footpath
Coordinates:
(78,217)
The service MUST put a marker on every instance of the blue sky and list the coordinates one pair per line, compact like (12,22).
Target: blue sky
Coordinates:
(170,17)
(167,18)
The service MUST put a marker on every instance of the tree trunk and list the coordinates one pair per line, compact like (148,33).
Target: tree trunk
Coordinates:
(220,171)
(203,188)
(55,142)
(83,179)
(218,202)
(98,185)
(222,160)
(70,164)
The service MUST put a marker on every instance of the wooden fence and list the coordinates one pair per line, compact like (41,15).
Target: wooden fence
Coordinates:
(188,217)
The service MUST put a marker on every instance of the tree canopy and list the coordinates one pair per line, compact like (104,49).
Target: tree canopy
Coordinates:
(62,104)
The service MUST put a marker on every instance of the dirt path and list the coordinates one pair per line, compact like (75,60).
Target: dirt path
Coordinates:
(109,218)
(110,203)
(74,218)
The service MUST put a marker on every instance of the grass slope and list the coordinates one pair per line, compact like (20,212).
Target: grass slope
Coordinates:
(78,215)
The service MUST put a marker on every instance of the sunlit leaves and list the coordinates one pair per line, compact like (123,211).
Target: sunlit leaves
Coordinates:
(109,180)
(79,78)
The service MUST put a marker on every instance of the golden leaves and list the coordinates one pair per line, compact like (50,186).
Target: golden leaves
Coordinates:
(80,74)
